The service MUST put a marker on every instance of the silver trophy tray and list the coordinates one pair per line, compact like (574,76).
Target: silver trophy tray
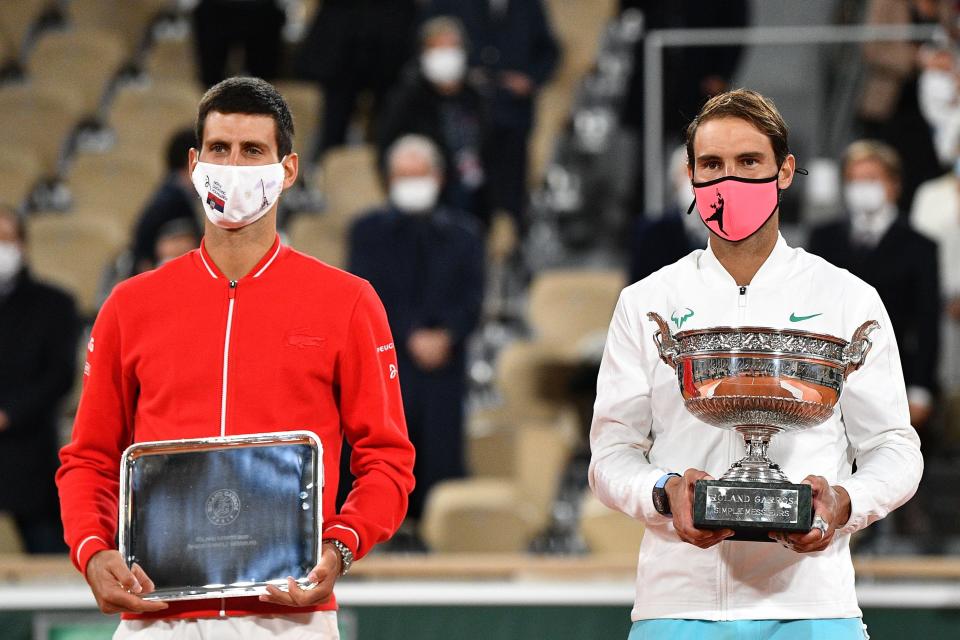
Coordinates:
(222,517)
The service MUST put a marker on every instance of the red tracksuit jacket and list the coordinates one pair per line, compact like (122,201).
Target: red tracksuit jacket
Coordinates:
(181,352)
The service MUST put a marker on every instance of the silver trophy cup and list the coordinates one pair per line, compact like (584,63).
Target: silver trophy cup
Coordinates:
(758,382)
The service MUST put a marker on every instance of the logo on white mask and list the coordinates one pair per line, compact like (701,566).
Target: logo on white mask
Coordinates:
(11,259)
(444,65)
(235,196)
(865,196)
(414,195)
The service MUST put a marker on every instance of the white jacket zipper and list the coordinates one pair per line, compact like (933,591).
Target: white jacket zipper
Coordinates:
(226,357)
(742,304)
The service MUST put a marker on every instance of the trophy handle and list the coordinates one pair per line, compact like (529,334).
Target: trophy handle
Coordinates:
(668,348)
(855,353)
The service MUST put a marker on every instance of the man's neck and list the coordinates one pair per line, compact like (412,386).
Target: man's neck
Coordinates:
(237,251)
(743,259)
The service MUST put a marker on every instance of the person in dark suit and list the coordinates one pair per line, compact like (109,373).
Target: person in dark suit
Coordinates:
(355,46)
(436,100)
(175,199)
(427,265)
(254,25)
(39,329)
(876,243)
(513,49)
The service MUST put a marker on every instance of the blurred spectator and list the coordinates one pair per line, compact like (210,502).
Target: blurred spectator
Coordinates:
(436,101)
(355,46)
(939,100)
(876,244)
(38,339)
(513,52)
(428,268)
(936,214)
(175,238)
(174,200)
(888,107)
(255,25)
(664,240)
(691,75)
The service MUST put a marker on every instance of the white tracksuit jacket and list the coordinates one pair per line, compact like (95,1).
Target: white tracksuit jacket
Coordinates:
(641,430)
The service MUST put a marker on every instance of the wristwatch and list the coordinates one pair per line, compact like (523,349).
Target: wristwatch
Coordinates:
(346,556)
(660,500)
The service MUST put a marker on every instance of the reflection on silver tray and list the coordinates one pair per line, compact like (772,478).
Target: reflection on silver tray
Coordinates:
(222,517)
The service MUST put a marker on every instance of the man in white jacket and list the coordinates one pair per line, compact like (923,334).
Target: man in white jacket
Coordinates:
(693,583)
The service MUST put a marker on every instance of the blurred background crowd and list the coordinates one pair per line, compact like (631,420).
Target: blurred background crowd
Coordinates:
(486,164)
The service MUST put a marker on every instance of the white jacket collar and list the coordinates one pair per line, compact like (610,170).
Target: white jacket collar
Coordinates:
(775,268)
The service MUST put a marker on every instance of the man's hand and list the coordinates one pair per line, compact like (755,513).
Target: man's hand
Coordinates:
(832,504)
(322,578)
(117,588)
(919,414)
(519,84)
(4,421)
(430,348)
(680,494)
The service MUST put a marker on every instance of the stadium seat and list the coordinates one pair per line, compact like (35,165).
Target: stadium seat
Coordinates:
(321,237)
(9,536)
(607,531)
(500,514)
(114,186)
(21,170)
(166,105)
(71,250)
(86,60)
(171,59)
(16,21)
(530,380)
(129,19)
(41,117)
(570,310)
(350,182)
(306,103)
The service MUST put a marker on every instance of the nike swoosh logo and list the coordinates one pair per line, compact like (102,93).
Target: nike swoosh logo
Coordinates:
(795,318)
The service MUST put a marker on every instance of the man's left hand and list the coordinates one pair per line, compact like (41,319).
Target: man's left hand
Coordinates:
(322,577)
(832,504)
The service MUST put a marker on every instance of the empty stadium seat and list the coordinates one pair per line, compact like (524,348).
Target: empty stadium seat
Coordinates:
(9,536)
(16,21)
(321,237)
(114,186)
(21,170)
(350,182)
(607,531)
(71,250)
(39,116)
(85,59)
(171,59)
(129,19)
(144,118)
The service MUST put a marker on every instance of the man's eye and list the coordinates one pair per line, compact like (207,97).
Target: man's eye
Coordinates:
(750,162)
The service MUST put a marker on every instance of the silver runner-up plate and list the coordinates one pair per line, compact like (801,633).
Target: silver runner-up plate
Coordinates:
(222,517)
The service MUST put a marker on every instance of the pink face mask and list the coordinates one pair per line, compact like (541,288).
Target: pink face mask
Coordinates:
(735,208)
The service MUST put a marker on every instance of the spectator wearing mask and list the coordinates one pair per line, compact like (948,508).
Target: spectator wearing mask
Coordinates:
(428,268)
(255,25)
(437,101)
(175,199)
(174,239)
(514,52)
(38,339)
(657,243)
(878,245)
(352,47)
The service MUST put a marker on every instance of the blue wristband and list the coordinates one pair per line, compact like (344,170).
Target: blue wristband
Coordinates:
(660,501)
(662,482)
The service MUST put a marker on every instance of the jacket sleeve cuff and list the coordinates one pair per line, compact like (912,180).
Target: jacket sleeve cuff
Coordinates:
(344,534)
(861,506)
(86,549)
(648,510)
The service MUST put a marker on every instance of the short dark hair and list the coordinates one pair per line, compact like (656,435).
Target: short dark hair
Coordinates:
(178,148)
(252,96)
(747,105)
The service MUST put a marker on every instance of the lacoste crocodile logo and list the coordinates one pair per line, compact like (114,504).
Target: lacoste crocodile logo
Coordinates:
(795,318)
(678,319)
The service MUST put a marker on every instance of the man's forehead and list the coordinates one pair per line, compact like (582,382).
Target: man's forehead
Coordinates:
(239,125)
(730,135)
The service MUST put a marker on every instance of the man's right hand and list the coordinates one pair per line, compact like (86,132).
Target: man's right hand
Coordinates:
(117,588)
(680,493)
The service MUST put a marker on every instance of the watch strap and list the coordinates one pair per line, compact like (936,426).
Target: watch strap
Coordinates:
(660,500)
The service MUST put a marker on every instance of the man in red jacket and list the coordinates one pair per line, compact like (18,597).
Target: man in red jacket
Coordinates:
(243,335)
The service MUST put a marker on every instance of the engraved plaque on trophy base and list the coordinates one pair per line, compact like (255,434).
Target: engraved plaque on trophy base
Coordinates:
(752,509)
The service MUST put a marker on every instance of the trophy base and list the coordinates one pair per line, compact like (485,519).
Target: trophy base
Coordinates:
(753,509)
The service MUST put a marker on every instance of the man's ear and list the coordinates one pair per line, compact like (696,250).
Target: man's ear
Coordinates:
(193,157)
(291,169)
(786,173)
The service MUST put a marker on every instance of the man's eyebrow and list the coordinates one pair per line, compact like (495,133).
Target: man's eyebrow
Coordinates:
(707,157)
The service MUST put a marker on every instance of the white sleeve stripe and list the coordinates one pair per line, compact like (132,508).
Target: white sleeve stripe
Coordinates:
(340,526)
(85,541)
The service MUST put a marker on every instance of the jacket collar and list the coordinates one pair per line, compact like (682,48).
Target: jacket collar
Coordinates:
(203,260)
(774,269)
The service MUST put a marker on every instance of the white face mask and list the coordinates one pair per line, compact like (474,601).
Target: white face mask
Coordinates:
(414,195)
(865,196)
(937,94)
(11,259)
(235,196)
(444,65)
